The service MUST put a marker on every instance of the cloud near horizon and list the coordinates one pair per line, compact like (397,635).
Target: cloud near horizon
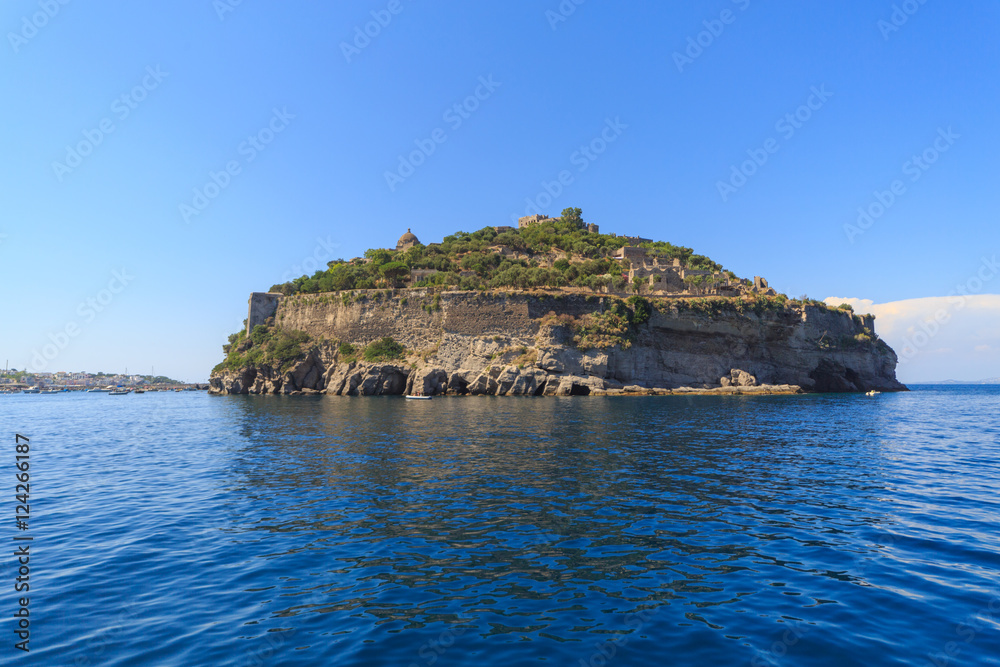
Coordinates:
(938,338)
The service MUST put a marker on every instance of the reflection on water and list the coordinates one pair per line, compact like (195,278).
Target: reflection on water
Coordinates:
(819,530)
(560,521)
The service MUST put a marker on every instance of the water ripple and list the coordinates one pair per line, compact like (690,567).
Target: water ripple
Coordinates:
(181,529)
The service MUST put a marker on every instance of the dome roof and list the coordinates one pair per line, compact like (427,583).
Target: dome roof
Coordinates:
(407,237)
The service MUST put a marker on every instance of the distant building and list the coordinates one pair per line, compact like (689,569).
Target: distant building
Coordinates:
(503,228)
(417,275)
(407,241)
(627,252)
(593,229)
(529,220)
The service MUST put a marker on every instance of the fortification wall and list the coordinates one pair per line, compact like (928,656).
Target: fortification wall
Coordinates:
(364,318)
(419,318)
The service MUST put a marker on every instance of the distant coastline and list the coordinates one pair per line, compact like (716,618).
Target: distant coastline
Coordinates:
(995,380)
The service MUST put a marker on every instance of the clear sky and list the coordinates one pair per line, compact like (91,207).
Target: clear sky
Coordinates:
(115,113)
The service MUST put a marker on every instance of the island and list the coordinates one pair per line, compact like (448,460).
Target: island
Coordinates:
(552,307)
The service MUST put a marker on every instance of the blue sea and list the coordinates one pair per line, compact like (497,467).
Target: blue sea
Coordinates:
(185,529)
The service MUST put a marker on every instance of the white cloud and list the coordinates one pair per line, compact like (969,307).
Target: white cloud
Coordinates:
(938,338)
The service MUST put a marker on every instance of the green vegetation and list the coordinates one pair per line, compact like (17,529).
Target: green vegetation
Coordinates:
(642,309)
(384,350)
(486,260)
(264,345)
(616,325)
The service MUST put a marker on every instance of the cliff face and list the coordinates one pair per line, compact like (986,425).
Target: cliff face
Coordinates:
(531,344)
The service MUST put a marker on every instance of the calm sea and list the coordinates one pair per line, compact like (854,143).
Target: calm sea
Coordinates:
(183,529)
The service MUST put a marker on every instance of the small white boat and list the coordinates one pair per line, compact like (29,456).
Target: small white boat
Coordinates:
(118,392)
(50,391)
(31,390)
(417,397)
(873,393)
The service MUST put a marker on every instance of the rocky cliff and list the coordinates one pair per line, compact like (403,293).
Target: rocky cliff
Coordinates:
(522,343)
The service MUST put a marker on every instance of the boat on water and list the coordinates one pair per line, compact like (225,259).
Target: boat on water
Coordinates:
(50,391)
(118,392)
(31,390)
(101,389)
(873,393)
(140,391)
(418,397)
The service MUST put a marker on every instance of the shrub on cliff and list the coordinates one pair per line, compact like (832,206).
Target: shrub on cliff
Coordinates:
(264,345)
(234,354)
(260,334)
(642,309)
(286,347)
(384,350)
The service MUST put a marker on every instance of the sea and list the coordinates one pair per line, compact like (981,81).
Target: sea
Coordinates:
(188,529)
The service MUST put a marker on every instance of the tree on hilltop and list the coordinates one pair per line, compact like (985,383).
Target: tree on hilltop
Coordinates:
(573,215)
(394,271)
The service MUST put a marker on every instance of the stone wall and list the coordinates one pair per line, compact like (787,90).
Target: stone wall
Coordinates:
(364,318)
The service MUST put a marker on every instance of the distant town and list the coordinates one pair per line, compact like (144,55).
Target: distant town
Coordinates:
(15,381)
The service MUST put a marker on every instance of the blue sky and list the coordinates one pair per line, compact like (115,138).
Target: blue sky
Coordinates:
(201,78)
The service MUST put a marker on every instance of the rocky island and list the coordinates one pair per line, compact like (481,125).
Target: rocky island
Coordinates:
(551,308)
